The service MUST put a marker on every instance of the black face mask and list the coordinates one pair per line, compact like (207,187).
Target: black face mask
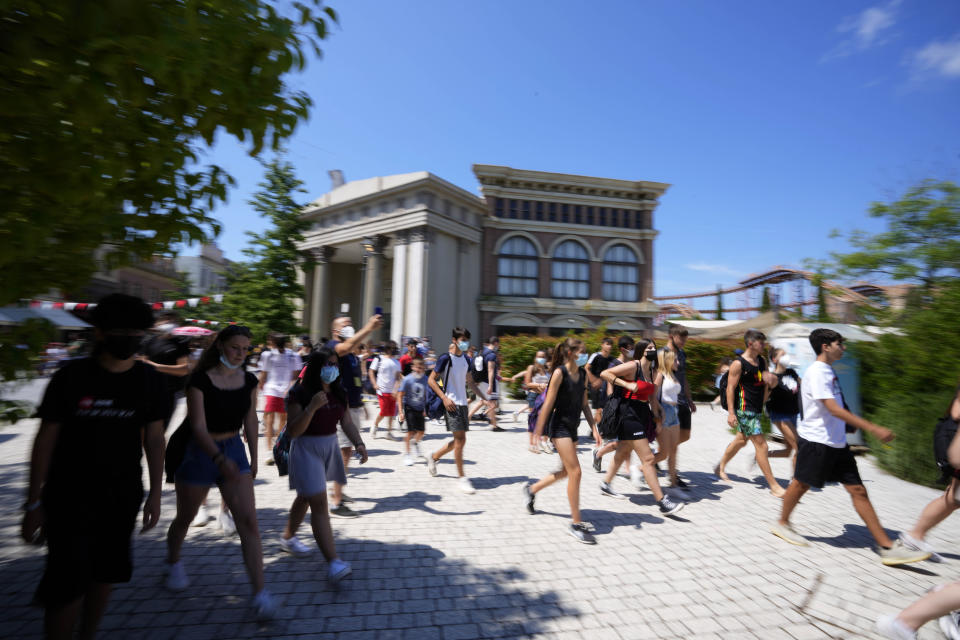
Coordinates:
(650,355)
(121,347)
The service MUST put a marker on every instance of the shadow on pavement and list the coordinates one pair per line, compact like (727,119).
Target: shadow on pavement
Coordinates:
(493,483)
(411,500)
(854,536)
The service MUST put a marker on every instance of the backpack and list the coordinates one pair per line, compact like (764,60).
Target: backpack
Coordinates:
(722,387)
(535,411)
(281,452)
(943,435)
(433,404)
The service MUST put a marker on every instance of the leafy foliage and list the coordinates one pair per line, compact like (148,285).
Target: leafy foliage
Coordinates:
(907,382)
(261,292)
(107,107)
(19,346)
(922,240)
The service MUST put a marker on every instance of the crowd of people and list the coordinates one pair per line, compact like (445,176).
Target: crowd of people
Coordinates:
(100,413)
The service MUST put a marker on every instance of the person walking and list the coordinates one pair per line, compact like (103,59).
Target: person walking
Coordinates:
(783,404)
(823,454)
(535,381)
(668,389)
(385,374)
(686,407)
(639,408)
(559,418)
(412,400)
(279,368)
(625,347)
(453,372)
(596,387)
(317,405)
(85,480)
(221,399)
(748,383)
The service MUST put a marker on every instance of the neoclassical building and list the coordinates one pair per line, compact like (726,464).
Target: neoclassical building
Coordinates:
(538,253)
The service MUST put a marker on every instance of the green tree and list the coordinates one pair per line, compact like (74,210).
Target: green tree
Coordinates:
(106,109)
(261,292)
(822,314)
(719,303)
(921,243)
(765,304)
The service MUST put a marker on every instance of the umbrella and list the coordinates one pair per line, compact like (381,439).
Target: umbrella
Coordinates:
(191,331)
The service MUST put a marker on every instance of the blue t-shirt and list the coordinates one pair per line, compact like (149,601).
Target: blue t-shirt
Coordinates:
(351,376)
(414,390)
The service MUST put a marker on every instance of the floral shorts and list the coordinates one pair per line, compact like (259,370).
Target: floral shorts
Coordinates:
(749,423)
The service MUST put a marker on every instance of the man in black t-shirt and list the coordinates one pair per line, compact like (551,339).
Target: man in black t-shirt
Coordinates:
(170,356)
(85,489)
(597,388)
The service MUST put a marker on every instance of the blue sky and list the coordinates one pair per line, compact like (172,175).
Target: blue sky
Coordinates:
(775,122)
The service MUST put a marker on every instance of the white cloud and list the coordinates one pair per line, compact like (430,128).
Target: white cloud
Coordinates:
(713,268)
(941,58)
(866,29)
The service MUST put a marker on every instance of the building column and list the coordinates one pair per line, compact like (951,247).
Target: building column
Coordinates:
(399,290)
(305,279)
(416,283)
(320,316)
(373,276)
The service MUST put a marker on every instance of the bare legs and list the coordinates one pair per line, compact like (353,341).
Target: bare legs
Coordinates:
(861,502)
(642,449)
(669,440)
(789,431)
(760,445)
(936,512)
(455,445)
(571,469)
(319,522)
(938,602)
(60,622)
(268,422)
(337,489)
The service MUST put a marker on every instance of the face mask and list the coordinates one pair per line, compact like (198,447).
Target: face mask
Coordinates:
(581,359)
(541,361)
(650,355)
(463,345)
(166,328)
(228,364)
(785,361)
(329,373)
(121,347)
(347,332)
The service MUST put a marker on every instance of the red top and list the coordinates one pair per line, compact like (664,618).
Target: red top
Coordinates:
(643,392)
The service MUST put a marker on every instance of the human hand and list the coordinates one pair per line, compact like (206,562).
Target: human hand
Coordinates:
(318,400)
(151,511)
(375,321)
(883,434)
(32,529)
(449,404)
(362,450)
(732,420)
(693,407)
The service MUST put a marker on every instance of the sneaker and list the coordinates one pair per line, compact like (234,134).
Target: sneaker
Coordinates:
(919,545)
(888,625)
(528,499)
(293,546)
(680,484)
(177,579)
(408,460)
(580,533)
(950,625)
(227,524)
(545,447)
(345,499)
(636,477)
(596,461)
(607,490)
(373,432)
(391,437)
(516,417)
(202,517)
(465,485)
(271,461)
(787,533)
(265,606)
(338,570)
(416,449)
(343,511)
(431,465)
(497,429)
(900,554)
(668,507)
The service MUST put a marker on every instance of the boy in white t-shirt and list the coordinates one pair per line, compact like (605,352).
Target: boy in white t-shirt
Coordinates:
(823,454)
(279,367)
(386,377)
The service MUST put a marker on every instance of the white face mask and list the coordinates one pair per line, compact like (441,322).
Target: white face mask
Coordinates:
(347,332)
(166,328)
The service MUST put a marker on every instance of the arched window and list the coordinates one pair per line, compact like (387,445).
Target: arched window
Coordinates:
(620,274)
(517,272)
(570,270)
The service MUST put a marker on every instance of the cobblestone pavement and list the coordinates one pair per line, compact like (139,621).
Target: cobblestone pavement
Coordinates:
(432,562)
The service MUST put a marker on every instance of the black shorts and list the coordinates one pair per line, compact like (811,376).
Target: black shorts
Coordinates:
(598,397)
(561,431)
(818,464)
(458,420)
(683,412)
(87,545)
(413,419)
(636,421)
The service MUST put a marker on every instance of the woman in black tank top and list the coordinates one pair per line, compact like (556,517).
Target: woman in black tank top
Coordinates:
(637,427)
(559,416)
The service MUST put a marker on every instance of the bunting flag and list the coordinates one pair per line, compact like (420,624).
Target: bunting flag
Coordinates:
(156,306)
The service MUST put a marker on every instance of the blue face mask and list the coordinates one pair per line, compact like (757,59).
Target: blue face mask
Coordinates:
(228,364)
(463,345)
(329,373)
(541,361)
(581,359)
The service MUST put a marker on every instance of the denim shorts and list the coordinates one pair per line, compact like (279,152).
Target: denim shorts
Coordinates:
(198,468)
(783,417)
(670,416)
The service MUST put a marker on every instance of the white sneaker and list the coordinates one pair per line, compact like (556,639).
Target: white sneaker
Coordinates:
(177,579)
(265,606)
(889,626)
(950,625)
(466,486)
(202,517)
(294,547)
(373,432)
(920,545)
(431,465)
(338,570)
(416,449)
(636,477)
(227,524)
(408,460)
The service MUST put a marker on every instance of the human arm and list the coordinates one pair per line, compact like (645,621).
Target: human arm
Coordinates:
(201,437)
(547,408)
(43,445)
(836,410)
(588,414)
(953,452)
(181,368)
(359,337)
(617,376)
(372,372)
(733,379)
(353,434)
(154,446)
(251,428)
(475,389)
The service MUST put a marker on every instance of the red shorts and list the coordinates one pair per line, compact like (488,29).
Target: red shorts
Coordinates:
(274,404)
(388,404)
